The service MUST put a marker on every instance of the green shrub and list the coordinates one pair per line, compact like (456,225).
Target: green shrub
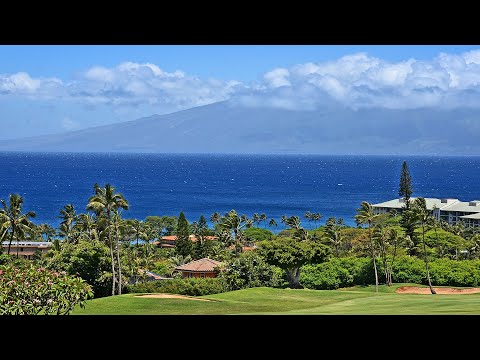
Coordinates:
(409,269)
(249,270)
(186,286)
(337,273)
(31,290)
(257,234)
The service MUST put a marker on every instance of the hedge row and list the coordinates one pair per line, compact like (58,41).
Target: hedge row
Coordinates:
(345,272)
(187,286)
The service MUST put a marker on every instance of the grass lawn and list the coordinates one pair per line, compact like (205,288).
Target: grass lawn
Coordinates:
(355,300)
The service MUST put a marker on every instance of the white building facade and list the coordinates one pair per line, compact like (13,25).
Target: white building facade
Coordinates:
(449,210)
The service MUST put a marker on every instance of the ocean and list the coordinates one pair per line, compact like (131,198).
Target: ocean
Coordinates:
(165,184)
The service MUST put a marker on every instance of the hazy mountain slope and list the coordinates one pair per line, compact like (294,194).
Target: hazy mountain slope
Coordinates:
(225,128)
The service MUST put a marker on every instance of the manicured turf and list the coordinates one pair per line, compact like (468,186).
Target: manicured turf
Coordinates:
(356,300)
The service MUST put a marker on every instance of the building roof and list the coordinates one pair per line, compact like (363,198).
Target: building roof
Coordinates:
(471,216)
(431,202)
(244,247)
(442,204)
(467,206)
(191,237)
(31,243)
(203,265)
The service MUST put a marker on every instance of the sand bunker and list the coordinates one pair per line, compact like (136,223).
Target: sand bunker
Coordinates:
(172,296)
(439,290)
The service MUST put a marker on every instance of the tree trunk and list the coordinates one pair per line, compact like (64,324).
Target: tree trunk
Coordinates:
(373,257)
(293,277)
(376,273)
(426,261)
(390,282)
(113,269)
(119,268)
(11,239)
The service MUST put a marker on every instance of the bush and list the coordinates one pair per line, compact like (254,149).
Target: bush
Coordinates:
(257,234)
(337,273)
(186,286)
(89,260)
(249,270)
(408,269)
(28,290)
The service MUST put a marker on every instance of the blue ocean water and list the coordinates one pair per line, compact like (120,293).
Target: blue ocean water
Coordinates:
(165,184)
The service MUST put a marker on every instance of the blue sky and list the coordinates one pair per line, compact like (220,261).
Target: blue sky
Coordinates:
(49,89)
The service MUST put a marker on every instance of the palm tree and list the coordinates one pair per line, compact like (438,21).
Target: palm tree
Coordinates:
(385,237)
(333,232)
(263,217)
(272,223)
(138,230)
(365,215)
(215,218)
(308,216)
(105,201)
(256,219)
(45,231)
(422,215)
(13,220)
(316,217)
(236,224)
(299,233)
(68,216)
(86,223)
(117,226)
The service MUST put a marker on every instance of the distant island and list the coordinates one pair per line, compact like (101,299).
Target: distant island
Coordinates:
(228,127)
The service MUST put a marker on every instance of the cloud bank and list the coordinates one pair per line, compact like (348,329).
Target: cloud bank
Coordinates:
(356,81)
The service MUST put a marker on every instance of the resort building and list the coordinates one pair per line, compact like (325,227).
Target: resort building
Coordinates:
(199,268)
(26,249)
(449,210)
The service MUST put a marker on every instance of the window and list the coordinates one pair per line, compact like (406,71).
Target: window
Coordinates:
(21,249)
(202,275)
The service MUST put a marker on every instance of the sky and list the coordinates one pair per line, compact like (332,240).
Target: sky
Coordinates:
(56,88)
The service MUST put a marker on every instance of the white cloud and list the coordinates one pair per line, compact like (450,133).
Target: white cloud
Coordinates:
(277,77)
(355,80)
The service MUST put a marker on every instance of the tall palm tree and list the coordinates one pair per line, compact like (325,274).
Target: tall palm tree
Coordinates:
(365,215)
(13,220)
(385,236)
(45,232)
(333,232)
(86,223)
(118,227)
(68,216)
(256,219)
(215,218)
(308,216)
(263,217)
(316,217)
(272,222)
(106,201)
(236,224)
(299,232)
(422,215)
(138,230)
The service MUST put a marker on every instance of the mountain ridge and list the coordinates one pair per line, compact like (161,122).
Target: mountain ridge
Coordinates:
(226,127)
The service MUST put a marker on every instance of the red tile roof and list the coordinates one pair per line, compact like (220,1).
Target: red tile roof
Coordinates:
(244,248)
(191,237)
(204,265)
